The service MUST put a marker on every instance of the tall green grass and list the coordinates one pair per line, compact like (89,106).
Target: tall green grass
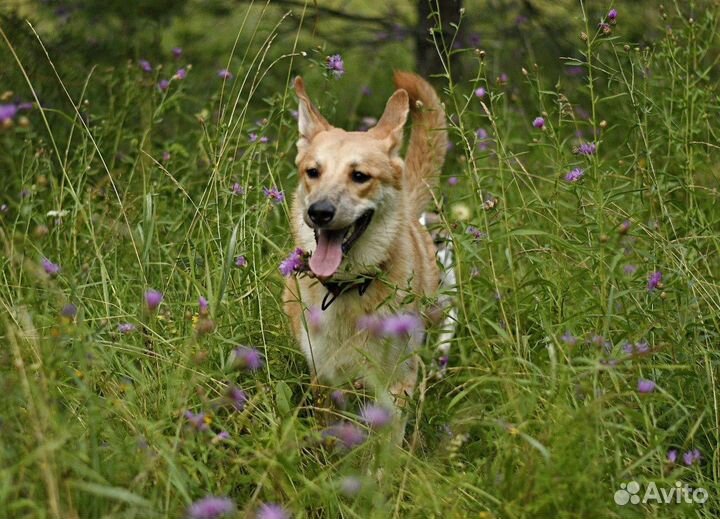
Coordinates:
(538,413)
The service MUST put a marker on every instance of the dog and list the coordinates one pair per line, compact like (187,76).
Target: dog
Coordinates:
(358,208)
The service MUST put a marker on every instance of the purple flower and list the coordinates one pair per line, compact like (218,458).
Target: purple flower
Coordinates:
(574,71)
(272,511)
(624,227)
(629,269)
(126,328)
(338,398)
(181,73)
(569,339)
(376,416)
(586,148)
(347,434)
(163,85)
(177,52)
(153,298)
(253,137)
(222,436)
(241,261)
(366,91)
(274,194)
(443,361)
(642,347)
(69,311)
(503,78)
(166,156)
(654,281)
(293,263)
(539,123)
(204,305)
(7,112)
(605,28)
(335,65)
(480,92)
(197,421)
(247,358)
(224,74)
(691,457)
(574,175)
(672,455)
(237,189)
(145,65)
(401,325)
(237,397)
(645,386)
(264,140)
(211,507)
(476,233)
(612,15)
(51,268)
(371,324)
(453,181)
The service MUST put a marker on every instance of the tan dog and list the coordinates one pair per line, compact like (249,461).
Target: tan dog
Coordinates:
(356,208)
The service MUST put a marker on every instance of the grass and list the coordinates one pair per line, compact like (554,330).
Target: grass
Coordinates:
(538,413)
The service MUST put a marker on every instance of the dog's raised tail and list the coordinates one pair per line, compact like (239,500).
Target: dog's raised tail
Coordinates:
(428,140)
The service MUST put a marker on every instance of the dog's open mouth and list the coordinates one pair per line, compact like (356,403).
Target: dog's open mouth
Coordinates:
(332,245)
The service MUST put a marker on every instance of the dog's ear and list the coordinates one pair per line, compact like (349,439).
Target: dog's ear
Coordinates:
(310,120)
(390,126)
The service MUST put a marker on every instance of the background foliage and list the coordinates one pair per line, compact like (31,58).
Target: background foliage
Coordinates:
(127,186)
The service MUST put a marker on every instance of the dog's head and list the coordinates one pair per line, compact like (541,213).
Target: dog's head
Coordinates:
(350,184)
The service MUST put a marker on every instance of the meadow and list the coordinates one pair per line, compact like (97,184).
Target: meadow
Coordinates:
(147,369)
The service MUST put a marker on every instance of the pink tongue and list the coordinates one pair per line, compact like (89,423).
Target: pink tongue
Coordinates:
(327,257)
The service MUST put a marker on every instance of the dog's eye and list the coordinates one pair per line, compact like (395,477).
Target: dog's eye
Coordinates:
(360,177)
(312,173)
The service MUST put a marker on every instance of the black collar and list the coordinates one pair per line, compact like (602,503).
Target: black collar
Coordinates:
(337,288)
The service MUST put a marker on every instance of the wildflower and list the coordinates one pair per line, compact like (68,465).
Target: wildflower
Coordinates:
(211,507)
(350,486)
(539,123)
(401,325)
(453,181)
(272,511)
(224,74)
(366,91)
(612,16)
(51,268)
(574,175)
(480,92)
(482,137)
(163,85)
(126,328)
(241,261)
(624,227)
(145,65)
(376,416)
(7,112)
(642,347)
(503,79)
(253,137)
(569,339)
(204,305)
(69,311)
(672,455)
(237,189)
(605,28)
(237,397)
(274,194)
(4,208)
(153,298)
(177,52)
(645,386)
(197,421)
(691,457)
(338,398)
(264,140)
(221,436)
(586,148)
(180,74)
(245,357)
(370,323)
(294,114)
(630,269)
(443,361)
(293,263)
(166,156)
(335,65)
(654,281)
(476,233)
(347,434)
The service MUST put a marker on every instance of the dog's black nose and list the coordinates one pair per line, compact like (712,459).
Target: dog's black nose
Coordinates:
(321,212)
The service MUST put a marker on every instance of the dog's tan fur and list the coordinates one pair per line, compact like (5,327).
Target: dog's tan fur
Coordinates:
(395,242)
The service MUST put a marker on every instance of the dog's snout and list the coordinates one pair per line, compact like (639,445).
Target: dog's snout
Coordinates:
(321,212)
